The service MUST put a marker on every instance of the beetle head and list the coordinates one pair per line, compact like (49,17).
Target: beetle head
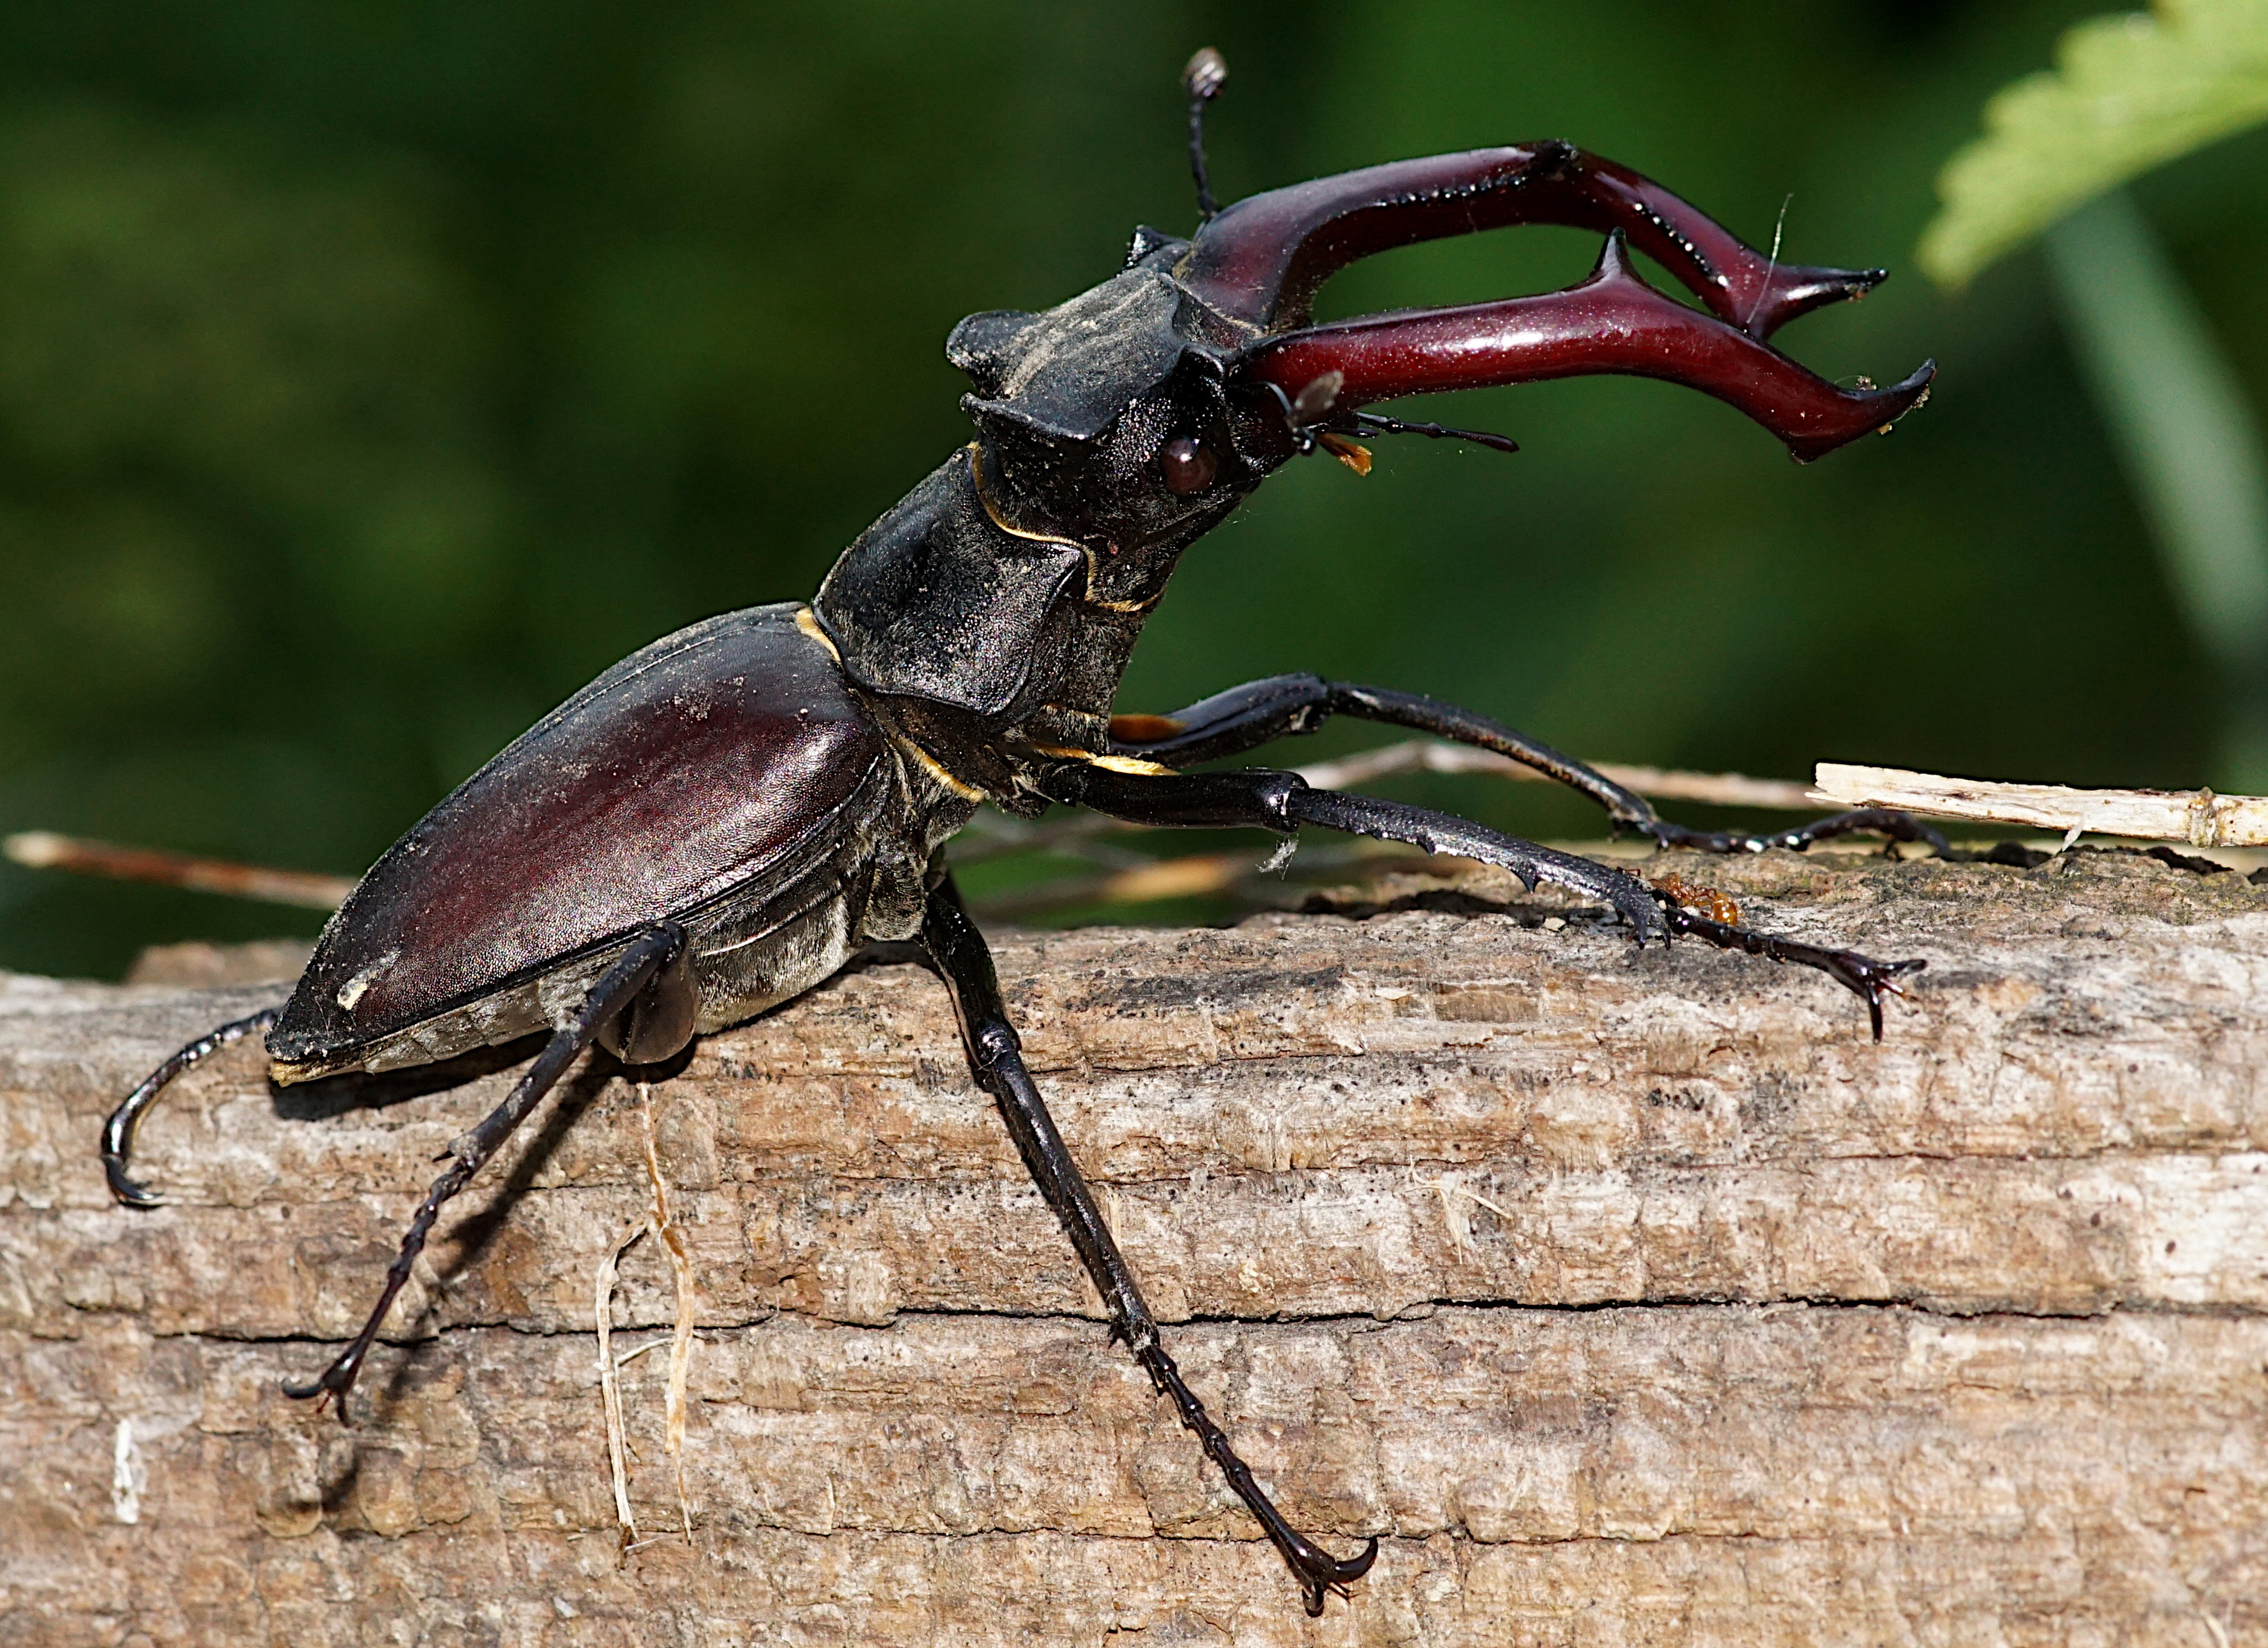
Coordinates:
(1137,415)
(1108,418)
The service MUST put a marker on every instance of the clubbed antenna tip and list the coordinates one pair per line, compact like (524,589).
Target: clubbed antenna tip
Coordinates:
(1205,75)
(1202,77)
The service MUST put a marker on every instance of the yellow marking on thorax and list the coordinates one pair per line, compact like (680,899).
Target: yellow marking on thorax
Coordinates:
(1130,765)
(977,475)
(1094,567)
(806,621)
(935,770)
(1094,574)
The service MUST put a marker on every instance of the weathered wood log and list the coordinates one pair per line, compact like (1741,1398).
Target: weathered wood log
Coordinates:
(1631,1297)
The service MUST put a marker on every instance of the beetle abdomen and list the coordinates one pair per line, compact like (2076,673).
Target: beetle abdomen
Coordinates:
(712,771)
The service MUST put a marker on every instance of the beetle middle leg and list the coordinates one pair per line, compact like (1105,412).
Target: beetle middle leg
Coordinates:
(1284,801)
(621,993)
(996,1060)
(1258,712)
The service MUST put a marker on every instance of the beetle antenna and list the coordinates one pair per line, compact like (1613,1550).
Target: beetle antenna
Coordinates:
(1202,77)
(1385,426)
(1303,430)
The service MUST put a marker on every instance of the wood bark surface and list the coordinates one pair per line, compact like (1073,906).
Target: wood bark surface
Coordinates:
(1629,1297)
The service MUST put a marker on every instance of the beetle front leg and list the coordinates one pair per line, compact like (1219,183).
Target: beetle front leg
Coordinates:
(1887,821)
(1242,718)
(1259,713)
(1284,801)
(996,1060)
(649,955)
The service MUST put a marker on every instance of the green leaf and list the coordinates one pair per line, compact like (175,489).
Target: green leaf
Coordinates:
(2128,93)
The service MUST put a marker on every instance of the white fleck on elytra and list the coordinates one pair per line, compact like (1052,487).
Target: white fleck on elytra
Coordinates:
(351,992)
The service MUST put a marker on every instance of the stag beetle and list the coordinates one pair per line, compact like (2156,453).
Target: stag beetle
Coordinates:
(718,823)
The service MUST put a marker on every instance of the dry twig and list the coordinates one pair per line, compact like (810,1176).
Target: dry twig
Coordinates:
(1660,783)
(44,850)
(2198,817)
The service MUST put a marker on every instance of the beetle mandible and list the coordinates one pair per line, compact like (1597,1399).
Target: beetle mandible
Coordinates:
(720,822)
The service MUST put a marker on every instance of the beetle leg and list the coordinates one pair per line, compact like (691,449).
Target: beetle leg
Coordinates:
(1283,801)
(118,1132)
(1258,712)
(649,953)
(1244,718)
(996,1058)
(1897,826)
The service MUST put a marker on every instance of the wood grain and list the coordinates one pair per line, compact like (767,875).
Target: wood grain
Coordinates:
(1631,1298)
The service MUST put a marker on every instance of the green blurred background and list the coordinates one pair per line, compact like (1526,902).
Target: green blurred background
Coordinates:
(373,375)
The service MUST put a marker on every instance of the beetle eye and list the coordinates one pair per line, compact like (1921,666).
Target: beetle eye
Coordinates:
(1188,468)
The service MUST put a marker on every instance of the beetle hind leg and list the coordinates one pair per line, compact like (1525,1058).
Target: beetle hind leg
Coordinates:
(649,954)
(118,1132)
(996,1058)
(1317,1571)
(658,1019)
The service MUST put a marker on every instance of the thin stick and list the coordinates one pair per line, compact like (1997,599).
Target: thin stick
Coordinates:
(1662,784)
(43,850)
(1136,879)
(2198,817)
(1192,875)
(1187,877)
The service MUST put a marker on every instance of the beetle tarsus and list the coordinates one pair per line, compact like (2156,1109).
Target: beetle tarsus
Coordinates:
(648,954)
(334,1381)
(1862,976)
(118,1132)
(1316,1571)
(995,1059)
